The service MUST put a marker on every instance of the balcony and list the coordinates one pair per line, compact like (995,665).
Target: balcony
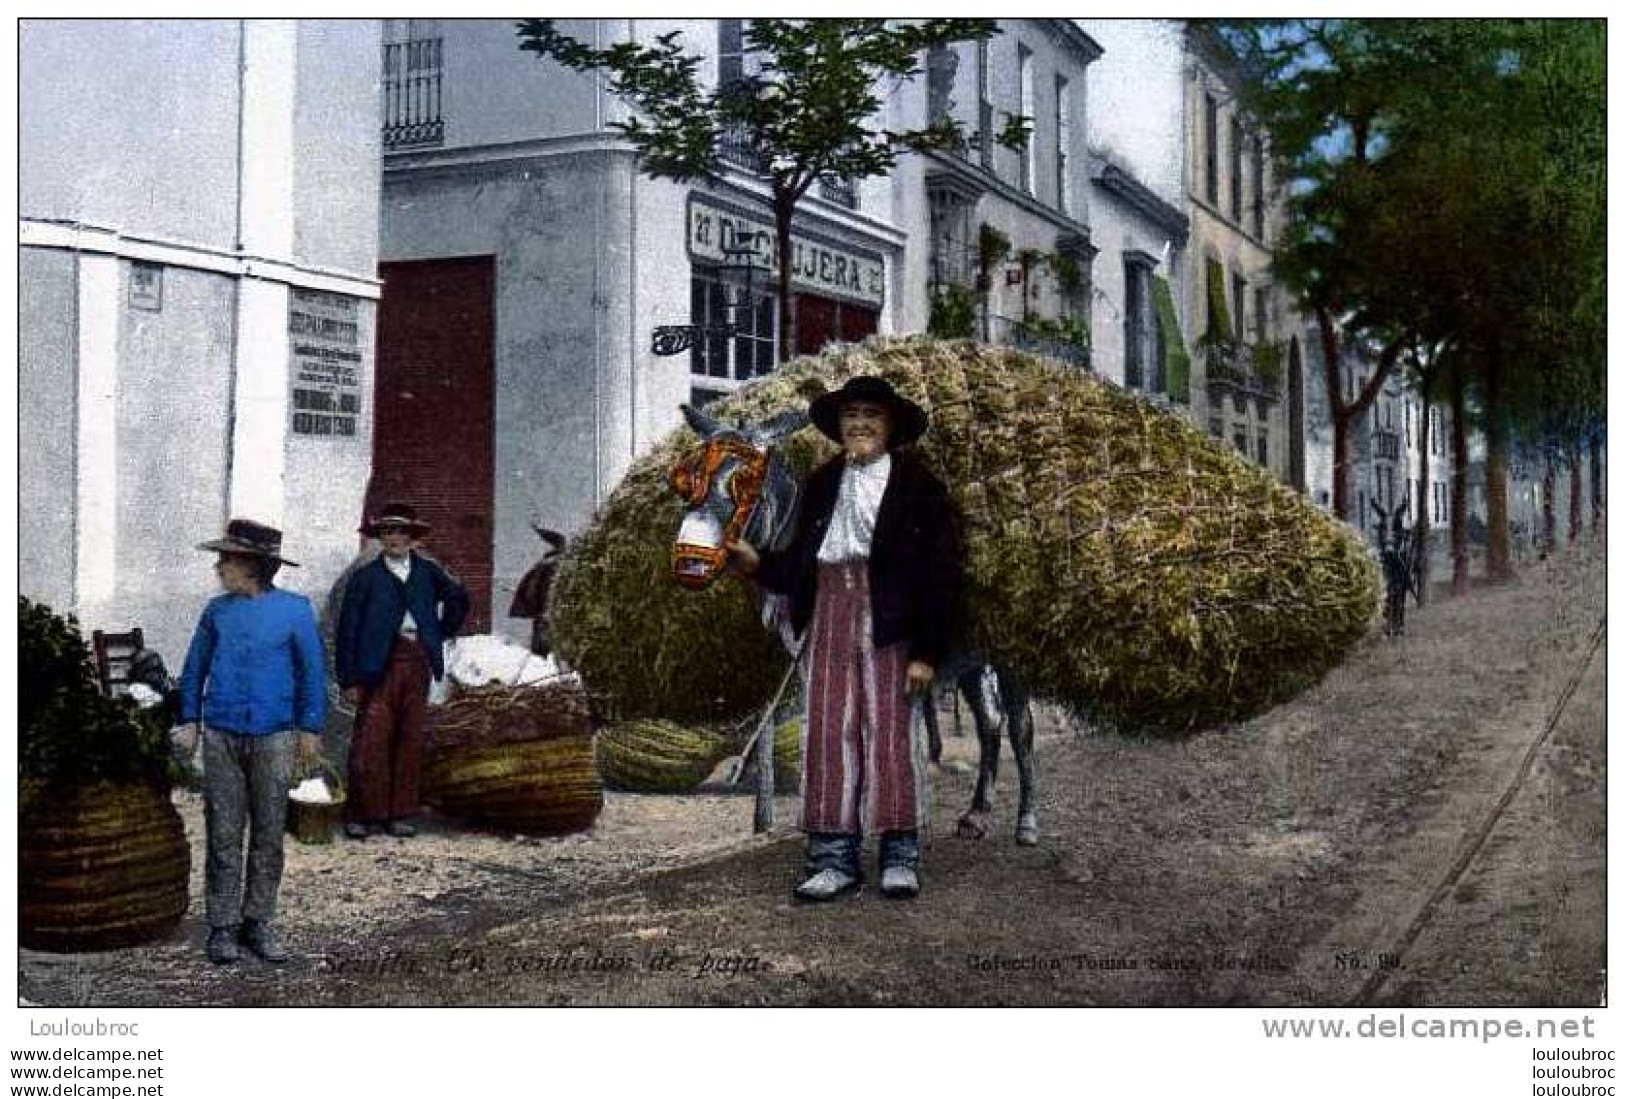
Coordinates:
(1242,370)
(411,91)
(842,192)
(735,147)
(1385,444)
(1053,339)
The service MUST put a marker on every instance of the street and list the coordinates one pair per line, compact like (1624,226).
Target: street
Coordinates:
(1424,827)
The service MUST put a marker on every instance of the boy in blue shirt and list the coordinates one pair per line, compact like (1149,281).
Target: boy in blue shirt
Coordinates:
(255,680)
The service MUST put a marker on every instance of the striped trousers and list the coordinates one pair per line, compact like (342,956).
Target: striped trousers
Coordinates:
(863,767)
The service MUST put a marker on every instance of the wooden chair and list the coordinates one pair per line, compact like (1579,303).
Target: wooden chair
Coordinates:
(113,652)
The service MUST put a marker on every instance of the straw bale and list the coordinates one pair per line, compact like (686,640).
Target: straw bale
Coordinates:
(1119,561)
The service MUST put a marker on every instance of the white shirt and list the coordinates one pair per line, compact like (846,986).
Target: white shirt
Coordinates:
(852,525)
(402,568)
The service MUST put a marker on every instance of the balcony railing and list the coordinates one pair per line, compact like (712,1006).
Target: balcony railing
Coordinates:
(1009,332)
(842,192)
(735,147)
(411,90)
(1242,369)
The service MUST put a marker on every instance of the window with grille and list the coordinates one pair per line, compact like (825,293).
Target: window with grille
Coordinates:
(1238,296)
(411,91)
(1263,447)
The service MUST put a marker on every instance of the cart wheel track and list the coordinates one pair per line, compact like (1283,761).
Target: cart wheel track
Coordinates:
(1475,840)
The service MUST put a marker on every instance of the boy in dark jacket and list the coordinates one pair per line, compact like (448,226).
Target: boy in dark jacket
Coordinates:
(397,613)
(874,573)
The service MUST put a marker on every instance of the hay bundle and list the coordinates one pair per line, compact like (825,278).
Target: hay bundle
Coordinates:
(517,758)
(1119,561)
(658,757)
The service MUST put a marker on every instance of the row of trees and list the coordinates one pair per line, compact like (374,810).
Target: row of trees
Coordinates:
(1446,219)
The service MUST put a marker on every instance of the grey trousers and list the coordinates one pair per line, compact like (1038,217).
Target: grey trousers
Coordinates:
(245,780)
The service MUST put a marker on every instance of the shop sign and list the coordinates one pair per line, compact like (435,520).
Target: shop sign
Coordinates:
(716,233)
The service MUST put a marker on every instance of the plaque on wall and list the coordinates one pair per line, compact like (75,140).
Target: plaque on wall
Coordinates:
(324,340)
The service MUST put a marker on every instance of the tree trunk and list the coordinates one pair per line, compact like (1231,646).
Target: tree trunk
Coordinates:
(1460,578)
(1576,495)
(783,211)
(1424,487)
(1498,554)
(1334,397)
(1548,503)
(1596,483)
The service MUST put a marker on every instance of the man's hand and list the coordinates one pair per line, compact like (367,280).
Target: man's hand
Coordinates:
(743,557)
(352,695)
(189,738)
(920,675)
(308,750)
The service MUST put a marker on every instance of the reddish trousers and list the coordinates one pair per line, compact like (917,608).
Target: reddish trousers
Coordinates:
(386,749)
(860,766)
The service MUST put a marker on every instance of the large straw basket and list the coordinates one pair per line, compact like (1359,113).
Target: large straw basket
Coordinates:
(313,822)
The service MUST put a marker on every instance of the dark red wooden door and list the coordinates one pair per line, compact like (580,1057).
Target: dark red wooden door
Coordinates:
(433,442)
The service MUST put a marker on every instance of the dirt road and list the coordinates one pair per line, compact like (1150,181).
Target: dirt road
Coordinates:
(1424,827)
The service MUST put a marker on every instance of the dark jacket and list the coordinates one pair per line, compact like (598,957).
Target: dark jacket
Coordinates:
(915,561)
(374,604)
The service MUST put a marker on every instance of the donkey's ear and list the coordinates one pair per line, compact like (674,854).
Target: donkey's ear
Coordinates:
(781,427)
(703,425)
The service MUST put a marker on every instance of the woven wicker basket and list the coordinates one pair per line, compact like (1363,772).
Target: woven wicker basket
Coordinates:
(313,822)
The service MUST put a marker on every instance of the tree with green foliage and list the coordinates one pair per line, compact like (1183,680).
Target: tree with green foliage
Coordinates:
(1446,192)
(806,113)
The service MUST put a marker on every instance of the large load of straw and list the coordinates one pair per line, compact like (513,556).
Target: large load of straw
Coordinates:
(1118,561)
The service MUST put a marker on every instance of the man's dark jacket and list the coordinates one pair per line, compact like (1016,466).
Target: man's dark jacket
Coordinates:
(374,604)
(915,561)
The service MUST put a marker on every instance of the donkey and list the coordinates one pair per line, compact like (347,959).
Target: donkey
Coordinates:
(736,484)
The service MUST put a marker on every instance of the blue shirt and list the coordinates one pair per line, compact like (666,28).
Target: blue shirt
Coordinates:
(255,665)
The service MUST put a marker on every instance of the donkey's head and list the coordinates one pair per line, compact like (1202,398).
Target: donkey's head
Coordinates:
(736,486)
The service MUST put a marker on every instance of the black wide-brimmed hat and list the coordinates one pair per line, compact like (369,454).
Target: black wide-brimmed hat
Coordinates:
(396,516)
(251,539)
(909,420)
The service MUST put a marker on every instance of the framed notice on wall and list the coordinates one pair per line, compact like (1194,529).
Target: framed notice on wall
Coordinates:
(324,339)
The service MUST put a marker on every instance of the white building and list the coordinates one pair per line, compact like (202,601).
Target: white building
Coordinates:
(528,265)
(1166,114)
(198,210)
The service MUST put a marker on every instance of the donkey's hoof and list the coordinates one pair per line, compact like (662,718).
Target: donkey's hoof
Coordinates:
(1027,831)
(972,826)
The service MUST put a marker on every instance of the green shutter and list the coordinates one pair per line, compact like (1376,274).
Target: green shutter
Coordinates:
(1176,361)
(1218,310)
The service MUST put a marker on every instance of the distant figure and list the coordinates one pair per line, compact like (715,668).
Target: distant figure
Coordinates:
(530,601)
(1394,552)
(398,610)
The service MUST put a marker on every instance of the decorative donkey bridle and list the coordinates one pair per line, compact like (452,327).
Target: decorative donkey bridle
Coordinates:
(735,485)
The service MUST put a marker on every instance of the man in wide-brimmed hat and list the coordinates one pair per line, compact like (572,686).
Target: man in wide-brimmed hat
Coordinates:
(255,679)
(398,611)
(874,568)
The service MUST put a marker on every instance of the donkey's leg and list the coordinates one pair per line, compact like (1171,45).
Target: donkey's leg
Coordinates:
(933,734)
(1019,721)
(974,823)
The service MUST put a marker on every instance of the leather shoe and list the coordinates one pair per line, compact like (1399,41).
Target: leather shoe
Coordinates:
(401,829)
(354,829)
(826,885)
(222,946)
(261,938)
(899,882)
